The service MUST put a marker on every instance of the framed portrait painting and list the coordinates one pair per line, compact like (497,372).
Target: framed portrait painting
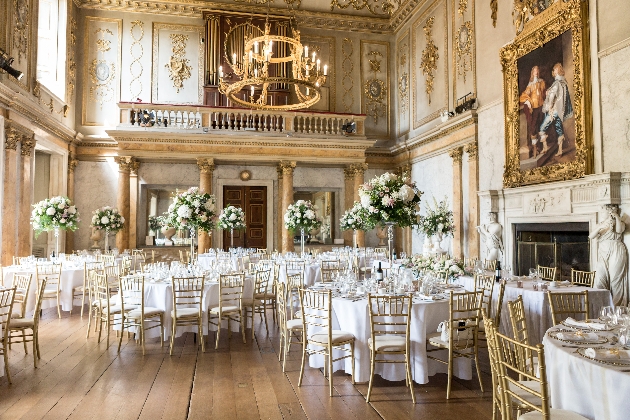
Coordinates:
(547,92)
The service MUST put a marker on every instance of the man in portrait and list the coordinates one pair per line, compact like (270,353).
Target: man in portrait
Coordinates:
(532,101)
(557,107)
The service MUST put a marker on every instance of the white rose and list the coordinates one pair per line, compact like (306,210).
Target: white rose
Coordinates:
(184,211)
(365,200)
(72,210)
(388,177)
(62,221)
(298,215)
(104,220)
(310,214)
(232,216)
(50,211)
(61,206)
(406,193)
(94,219)
(122,220)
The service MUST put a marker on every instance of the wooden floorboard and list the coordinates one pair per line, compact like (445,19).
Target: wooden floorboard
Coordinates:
(79,378)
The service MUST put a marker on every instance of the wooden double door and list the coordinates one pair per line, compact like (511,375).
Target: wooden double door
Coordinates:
(253,200)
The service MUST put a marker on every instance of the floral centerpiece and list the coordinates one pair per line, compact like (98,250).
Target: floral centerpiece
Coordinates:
(356,218)
(192,210)
(107,218)
(232,218)
(156,223)
(390,198)
(301,215)
(54,214)
(435,264)
(437,222)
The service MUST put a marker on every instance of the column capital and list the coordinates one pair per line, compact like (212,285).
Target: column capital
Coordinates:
(456,154)
(404,169)
(126,163)
(279,171)
(359,168)
(134,166)
(28,144)
(72,165)
(348,172)
(287,167)
(12,136)
(206,165)
(472,150)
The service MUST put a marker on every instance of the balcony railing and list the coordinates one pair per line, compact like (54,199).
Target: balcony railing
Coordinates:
(208,119)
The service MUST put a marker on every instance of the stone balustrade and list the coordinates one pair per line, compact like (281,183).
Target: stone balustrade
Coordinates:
(209,119)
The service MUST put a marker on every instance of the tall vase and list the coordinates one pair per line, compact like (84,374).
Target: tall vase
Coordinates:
(438,240)
(354,238)
(390,240)
(106,240)
(302,242)
(193,231)
(231,238)
(57,241)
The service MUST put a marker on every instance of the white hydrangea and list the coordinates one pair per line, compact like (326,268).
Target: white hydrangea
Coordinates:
(184,211)
(50,211)
(104,220)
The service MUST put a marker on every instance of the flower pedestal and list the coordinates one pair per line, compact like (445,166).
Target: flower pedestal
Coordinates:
(436,244)
(390,240)
(231,238)
(57,241)
(302,242)
(106,240)
(193,232)
(354,238)
(96,236)
(427,246)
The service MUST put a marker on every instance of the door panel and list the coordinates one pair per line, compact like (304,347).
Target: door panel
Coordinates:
(254,201)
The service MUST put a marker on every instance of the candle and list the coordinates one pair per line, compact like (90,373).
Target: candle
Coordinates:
(318,64)
(220,71)
(251,56)
(234,58)
(306,51)
(256,47)
(252,89)
(307,92)
(325,69)
(313,55)
(255,72)
(306,71)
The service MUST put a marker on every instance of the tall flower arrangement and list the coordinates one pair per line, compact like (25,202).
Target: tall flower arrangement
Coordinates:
(438,220)
(356,218)
(453,267)
(192,210)
(232,218)
(156,223)
(301,215)
(390,198)
(54,213)
(107,218)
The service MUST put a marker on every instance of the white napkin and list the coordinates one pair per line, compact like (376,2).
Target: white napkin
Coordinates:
(583,324)
(571,336)
(606,354)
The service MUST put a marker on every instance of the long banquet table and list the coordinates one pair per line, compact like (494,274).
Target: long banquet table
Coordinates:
(536,304)
(595,390)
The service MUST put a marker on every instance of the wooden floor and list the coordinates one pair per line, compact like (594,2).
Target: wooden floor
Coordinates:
(81,379)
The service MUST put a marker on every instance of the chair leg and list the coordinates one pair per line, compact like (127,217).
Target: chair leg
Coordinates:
(330,371)
(264,316)
(24,341)
(450,373)
(285,349)
(372,363)
(216,344)
(409,377)
(170,351)
(161,330)
(303,361)
(58,305)
(203,341)
(6,365)
(252,317)
(477,367)
(352,357)
(243,326)
(122,330)
(82,303)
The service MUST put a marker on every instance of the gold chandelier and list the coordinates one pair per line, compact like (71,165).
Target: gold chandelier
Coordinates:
(304,76)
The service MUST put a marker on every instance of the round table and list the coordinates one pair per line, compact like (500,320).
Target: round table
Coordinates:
(595,390)
(312,274)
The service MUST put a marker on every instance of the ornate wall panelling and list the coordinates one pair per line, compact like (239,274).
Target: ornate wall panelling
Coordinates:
(325,48)
(429,64)
(347,81)
(403,83)
(101,71)
(135,72)
(463,69)
(375,85)
(71,64)
(178,61)
(22,26)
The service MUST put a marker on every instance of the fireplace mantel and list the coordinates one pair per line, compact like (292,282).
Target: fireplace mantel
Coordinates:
(578,200)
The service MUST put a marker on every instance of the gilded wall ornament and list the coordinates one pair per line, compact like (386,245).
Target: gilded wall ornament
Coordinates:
(347,81)
(385,7)
(178,68)
(137,51)
(463,49)
(72,64)
(525,10)
(375,90)
(403,91)
(429,59)
(21,17)
(463,6)
(102,72)
(494,8)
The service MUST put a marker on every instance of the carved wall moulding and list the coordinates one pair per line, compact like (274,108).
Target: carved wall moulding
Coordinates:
(178,67)
(525,10)
(71,64)
(206,165)
(137,52)
(456,154)
(463,49)
(375,84)
(21,19)
(347,81)
(383,8)
(375,89)
(494,8)
(127,163)
(430,56)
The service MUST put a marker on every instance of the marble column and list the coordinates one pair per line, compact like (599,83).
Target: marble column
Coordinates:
(359,173)
(405,233)
(348,173)
(280,213)
(287,198)
(206,172)
(72,165)
(125,164)
(133,205)
(25,232)
(456,155)
(10,195)
(472,236)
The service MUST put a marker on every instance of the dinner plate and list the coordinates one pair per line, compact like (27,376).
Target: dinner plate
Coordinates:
(554,334)
(615,362)
(577,327)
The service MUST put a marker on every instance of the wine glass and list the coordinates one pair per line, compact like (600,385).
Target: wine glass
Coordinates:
(606,314)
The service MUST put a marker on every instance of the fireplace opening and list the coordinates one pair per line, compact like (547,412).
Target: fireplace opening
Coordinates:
(562,245)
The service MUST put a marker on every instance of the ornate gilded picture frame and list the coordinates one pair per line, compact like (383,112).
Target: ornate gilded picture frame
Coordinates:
(546,87)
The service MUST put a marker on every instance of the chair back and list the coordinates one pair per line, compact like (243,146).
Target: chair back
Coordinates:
(50,272)
(330,264)
(316,311)
(38,303)
(107,259)
(464,317)
(7,297)
(329,274)
(390,315)
(132,293)
(501,294)
(490,265)
(112,272)
(187,293)
(485,284)
(381,252)
(125,266)
(100,291)
(470,262)
(22,284)
(568,304)
(491,331)
(245,262)
(546,273)
(231,290)
(517,373)
(295,265)
(582,278)
(516,309)
(281,301)
(261,284)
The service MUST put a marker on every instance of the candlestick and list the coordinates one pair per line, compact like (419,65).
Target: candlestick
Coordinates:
(325,69)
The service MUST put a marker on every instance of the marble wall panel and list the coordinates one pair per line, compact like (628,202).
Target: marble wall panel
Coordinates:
(615,85)
(465,201)
(491,143)
(96,185)
(403,84)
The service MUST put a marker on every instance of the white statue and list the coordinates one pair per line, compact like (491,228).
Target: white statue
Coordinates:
(493,232)
(612,256)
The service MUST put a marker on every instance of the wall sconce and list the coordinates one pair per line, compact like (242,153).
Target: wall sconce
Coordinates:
(5,64)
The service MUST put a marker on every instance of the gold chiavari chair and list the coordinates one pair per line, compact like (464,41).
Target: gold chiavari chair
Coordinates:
(485,284)
(489,265)
(52,274)
(107,259)
(442,276)
(134,311)
(568,304)
(319,336)
(295,265)
(546,273)
(330,264)
(245,262)
(22,284)
(515,361)
(6,308)
(187,307)
(381,251)
(518,319)
(103,308)
(138,257)
(22,325)
(258,305)
(470,262)
(390,318)
(290,329)
(262,251)
(81,291)
(462,326)
(295,282)
(230,304)
(125,266)
(329,274)
(582,278)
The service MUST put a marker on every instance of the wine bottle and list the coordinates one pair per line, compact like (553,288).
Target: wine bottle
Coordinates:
(497,272)
(394,256)
(379,273)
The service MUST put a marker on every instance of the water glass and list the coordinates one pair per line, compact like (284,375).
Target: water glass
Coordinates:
(606,314)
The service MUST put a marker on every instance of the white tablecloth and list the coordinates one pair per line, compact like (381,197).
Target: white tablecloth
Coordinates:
(205,260)
(312,274)
(353,317)
(536,304)
(70,277)
(160,295)
(594,390)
